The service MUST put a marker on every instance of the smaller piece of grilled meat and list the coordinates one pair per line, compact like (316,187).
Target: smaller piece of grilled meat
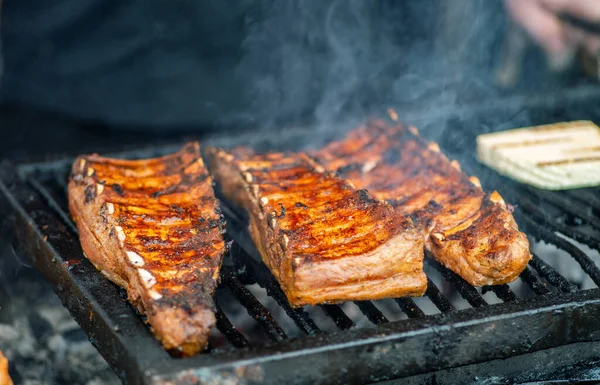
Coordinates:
(324,240)
(4,376)
(467,230)
(154,227)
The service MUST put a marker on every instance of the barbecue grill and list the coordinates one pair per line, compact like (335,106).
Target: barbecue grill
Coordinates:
(456,329)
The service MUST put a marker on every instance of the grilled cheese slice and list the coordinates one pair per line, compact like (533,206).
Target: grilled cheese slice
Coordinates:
(554,157)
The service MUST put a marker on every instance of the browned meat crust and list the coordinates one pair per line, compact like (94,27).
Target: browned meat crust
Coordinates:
(4,376)
(324,240)
(154,227)
(467,230)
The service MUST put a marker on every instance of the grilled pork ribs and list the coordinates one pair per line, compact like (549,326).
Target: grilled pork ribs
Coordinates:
(324,240)
(154,227)
(470,232)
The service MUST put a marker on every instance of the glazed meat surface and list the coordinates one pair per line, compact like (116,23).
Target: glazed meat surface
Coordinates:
(154,228)
(467,230)
(324,240)
(4,376)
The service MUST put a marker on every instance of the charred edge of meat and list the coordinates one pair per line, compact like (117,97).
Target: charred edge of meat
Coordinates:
(183,300)
(178,209)
(366,198)
(90,193)
(167,191)
(118,189)
(282,214)
(301,205)
(228,246)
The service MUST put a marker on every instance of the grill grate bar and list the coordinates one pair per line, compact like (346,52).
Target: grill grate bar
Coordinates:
(225,326)
(468,292)
(255,309)
(299,316)
(409,307)
(534,282)
(565,205)
(546,271)
(586,197)
(371,312)
(267,281)
(533,212)
(438,299)
(586,263)
(503,292)
(341,320)
(51,202)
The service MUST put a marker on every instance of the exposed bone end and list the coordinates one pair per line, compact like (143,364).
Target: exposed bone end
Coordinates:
(439,236)
(318,168)
(120,234)
(82,163)
(255,191)
(90,171)
(297,262)
(432,146)
(110,208)
(273,222)
(393,115)
(264,200)
(474,180)
(413,130)
(248,177)
(349,183)
(135,259)
(227,156)
(497,198)
(455,164)
(286,241)
(155,295)
(99,188)
(147,278)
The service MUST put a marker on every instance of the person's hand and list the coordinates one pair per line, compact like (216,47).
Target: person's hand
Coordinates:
(540,18)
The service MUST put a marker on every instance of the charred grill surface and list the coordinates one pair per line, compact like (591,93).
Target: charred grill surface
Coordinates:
(154,227)
(470,232)
(324,240)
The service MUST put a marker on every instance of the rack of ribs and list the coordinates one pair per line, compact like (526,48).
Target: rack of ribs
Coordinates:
(472,233)
(154,227)
(324,240)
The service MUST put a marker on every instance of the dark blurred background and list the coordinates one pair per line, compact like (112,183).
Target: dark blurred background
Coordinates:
(89,75)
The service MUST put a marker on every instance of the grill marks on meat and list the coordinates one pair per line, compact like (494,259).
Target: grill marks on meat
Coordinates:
(154,227)
(467,230)
(323,239)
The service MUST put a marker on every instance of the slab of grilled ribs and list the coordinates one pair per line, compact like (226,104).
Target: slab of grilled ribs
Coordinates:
(154,227)
(324,240)
(467,230)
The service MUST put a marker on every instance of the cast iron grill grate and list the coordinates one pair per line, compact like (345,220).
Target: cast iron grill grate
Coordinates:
(259,337)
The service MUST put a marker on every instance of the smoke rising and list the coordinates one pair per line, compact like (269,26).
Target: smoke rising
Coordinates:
(337,62)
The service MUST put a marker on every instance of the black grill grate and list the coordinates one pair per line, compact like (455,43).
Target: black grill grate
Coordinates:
(355,342)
